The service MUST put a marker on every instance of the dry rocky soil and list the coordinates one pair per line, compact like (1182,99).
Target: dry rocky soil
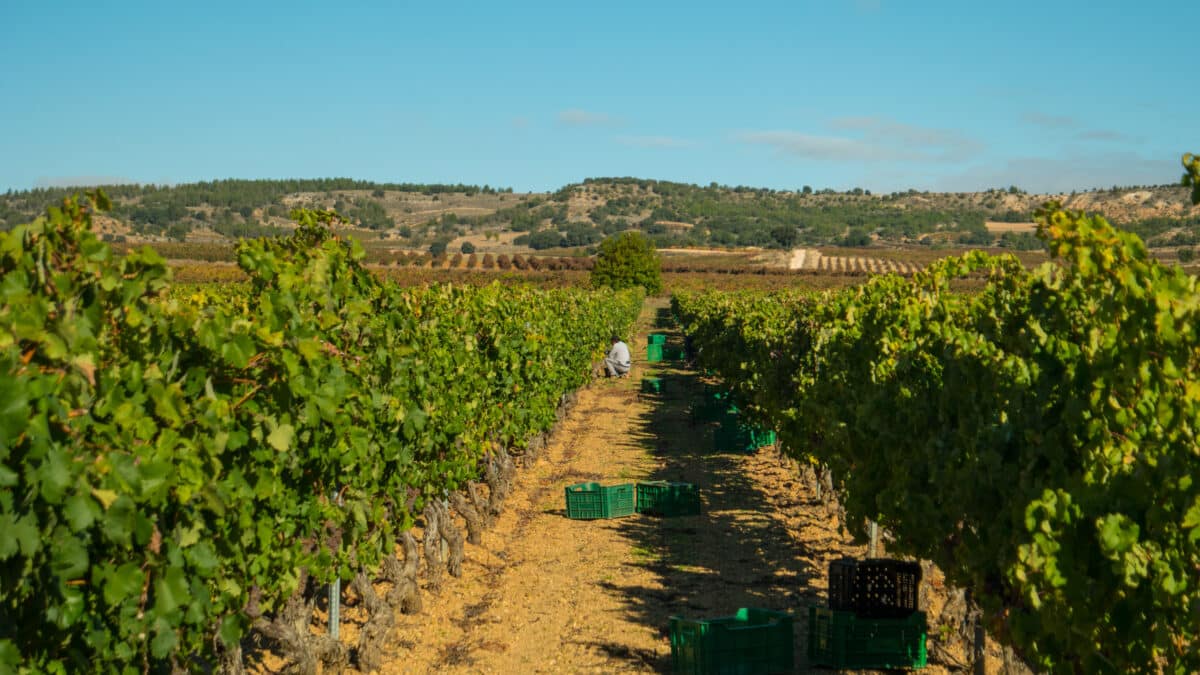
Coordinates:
(547,594)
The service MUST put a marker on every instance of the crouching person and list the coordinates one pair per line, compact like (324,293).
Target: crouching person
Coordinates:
(617,362)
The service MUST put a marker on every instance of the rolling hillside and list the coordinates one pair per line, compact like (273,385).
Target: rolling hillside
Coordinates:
(676,215)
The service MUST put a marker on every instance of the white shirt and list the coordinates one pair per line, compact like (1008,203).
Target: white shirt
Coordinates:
(619,353)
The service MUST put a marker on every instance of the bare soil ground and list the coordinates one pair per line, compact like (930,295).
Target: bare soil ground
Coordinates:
(546,594)
(996,227)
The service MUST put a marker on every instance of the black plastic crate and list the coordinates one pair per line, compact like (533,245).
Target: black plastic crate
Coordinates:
(842,596)
(875,588)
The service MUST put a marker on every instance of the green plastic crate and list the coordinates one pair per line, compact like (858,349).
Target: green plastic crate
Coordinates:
(657,339)
(589,501)
(713,406)
(760,438)
(654,353)
(669,499)
(734,436)
(842,640)
(710,411)
(652,385)
(751,641)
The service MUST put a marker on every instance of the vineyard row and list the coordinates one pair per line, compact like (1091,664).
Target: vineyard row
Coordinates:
(180,467)
(1037,440)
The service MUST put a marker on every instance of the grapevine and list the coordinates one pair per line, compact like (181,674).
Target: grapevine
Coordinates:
(179,467)
(1036,440)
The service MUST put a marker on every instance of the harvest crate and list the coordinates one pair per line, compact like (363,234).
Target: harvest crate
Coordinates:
(654,353)
(761,438)
(657,339)
(712,411)
(589,501)
(652,385)
(734,436)
(876,588)
(842,596)
(842,640)
(714,406)
(668,499)
(751,641)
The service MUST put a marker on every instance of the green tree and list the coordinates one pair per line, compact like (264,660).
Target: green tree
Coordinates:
(628,260)
(467,247)
(785,236)
(1191,164)
(438,247)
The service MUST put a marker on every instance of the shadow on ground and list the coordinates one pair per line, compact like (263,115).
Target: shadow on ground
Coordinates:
(736,553)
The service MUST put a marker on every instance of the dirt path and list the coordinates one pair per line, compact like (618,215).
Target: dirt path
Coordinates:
(804,259)
(546,594)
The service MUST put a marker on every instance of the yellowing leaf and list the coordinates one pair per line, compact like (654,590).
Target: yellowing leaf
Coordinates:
(281,437)
(105,497)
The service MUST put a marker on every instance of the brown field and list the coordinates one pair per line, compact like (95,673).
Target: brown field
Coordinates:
(1000,228)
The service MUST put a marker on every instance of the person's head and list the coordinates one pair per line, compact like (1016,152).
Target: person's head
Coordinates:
(615,339)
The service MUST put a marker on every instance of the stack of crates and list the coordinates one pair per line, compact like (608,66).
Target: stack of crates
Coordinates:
(872,620)
(654,353)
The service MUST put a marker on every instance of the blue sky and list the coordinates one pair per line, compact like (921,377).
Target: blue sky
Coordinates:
(879,94)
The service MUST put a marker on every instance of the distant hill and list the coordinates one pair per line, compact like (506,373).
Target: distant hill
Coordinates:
(674,214)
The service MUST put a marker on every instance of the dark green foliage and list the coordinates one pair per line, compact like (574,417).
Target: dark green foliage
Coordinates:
(976,238)
(168,455)
(1036,439)
(1021,241)
(370,214)
(626,261)
(785,237)
(1191,176)
(857,236)
(160,205)
(467,248)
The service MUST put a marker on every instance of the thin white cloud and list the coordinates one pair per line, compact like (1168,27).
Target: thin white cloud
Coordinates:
(1045,121)
(1067,124)
(1075,171)
(868,6)
(1103,135)
(948,144)
(577,117)
(654,141)
(520,122)
(81,181)
(870,139)
(809,146)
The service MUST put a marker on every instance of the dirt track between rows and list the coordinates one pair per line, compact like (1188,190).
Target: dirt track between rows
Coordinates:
(547,594)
